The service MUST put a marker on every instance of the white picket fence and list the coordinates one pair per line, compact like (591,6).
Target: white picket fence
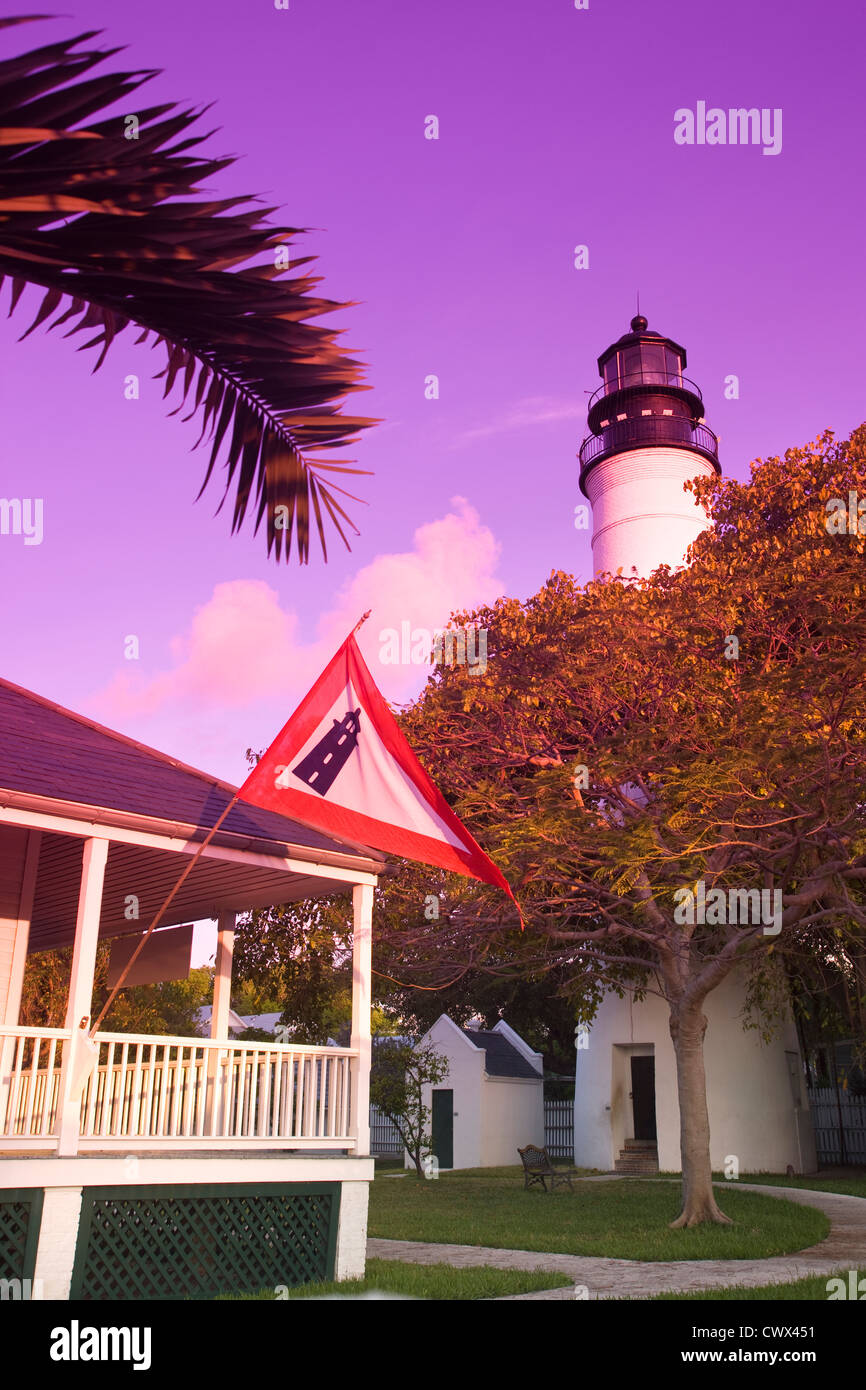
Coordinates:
(825,1110)
(385,1142)
(559,1128)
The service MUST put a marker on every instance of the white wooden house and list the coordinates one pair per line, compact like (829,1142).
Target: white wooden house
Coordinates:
(491,1103)
(180,1166)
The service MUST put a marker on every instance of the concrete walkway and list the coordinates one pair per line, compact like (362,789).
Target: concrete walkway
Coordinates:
(844,1248)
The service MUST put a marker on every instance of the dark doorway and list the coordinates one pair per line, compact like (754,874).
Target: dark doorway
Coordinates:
(443,1128)
(643,1096)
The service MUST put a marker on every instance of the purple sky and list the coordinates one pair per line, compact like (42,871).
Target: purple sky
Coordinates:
(556,129)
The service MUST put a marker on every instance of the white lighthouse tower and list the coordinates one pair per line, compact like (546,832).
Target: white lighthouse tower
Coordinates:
(647,437)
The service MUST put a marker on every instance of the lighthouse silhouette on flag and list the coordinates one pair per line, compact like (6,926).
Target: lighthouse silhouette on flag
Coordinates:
(324,763)
(342,765)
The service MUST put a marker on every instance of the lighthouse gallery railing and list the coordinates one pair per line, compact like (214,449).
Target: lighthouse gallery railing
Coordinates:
(648,431)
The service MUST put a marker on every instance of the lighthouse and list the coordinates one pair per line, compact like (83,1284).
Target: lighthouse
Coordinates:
(647,437)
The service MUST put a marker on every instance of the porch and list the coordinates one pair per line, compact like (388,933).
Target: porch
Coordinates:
(139,1165)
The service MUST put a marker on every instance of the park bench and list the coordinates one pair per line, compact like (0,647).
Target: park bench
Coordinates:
(538,1168)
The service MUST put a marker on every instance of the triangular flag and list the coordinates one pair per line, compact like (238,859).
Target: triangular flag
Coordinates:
(342,765)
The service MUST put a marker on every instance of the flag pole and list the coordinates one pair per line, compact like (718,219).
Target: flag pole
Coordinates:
(180,882)
(161,913)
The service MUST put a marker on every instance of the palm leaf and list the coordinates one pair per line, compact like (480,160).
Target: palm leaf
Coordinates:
(114,231)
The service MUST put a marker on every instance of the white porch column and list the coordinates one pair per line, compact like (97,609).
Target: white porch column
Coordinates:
(81,981)
(10,1004)
(222,981)
(58,1238)
(15,958)
(219,1022)
(351,1253)
(362,1000)
(86,932)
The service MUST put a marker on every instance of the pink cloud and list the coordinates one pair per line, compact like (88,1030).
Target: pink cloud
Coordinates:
(241,649)
(451,567)
(237,644)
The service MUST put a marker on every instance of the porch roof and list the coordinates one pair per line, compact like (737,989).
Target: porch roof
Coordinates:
(71,778)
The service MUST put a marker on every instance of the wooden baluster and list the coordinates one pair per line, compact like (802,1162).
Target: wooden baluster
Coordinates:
(135,1117)
(119,1093)
(48,1097)
(148,1127)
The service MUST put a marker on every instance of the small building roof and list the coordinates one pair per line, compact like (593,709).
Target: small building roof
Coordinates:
(237,1023)
(502,1058)
(265,1022)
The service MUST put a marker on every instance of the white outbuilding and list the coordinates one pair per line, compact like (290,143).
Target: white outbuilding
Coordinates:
(626,1111)
(492,1101)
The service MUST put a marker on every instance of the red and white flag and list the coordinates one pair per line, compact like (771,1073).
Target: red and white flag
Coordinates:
(342,765)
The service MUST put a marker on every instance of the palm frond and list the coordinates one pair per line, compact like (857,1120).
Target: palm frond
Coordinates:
(106,218)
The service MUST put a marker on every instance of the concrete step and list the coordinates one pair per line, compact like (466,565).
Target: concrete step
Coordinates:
(639,1157)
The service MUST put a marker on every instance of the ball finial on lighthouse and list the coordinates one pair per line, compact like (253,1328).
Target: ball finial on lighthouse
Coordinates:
(647,437)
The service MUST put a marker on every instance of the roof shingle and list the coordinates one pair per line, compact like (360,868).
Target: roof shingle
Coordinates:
(502,1057)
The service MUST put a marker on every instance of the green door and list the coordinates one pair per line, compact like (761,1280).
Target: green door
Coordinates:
(443,1128)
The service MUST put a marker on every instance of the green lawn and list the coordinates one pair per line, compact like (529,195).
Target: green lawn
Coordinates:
(801,1291)
(425,1281)
(855,1186)
(851,1186)
(625,1220)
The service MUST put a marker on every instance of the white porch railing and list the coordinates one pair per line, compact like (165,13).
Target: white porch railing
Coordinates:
(176,1093)
(31,1068)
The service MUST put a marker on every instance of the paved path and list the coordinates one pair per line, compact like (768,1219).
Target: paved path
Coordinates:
(844,1248)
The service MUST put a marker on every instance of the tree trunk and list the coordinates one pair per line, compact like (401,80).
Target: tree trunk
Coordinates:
(688,1026)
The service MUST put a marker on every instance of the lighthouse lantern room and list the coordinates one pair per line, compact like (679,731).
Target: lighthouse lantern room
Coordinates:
(647,437)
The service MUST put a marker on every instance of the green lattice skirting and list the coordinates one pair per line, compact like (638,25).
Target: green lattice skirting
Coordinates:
(198,1241)
(20,1214)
